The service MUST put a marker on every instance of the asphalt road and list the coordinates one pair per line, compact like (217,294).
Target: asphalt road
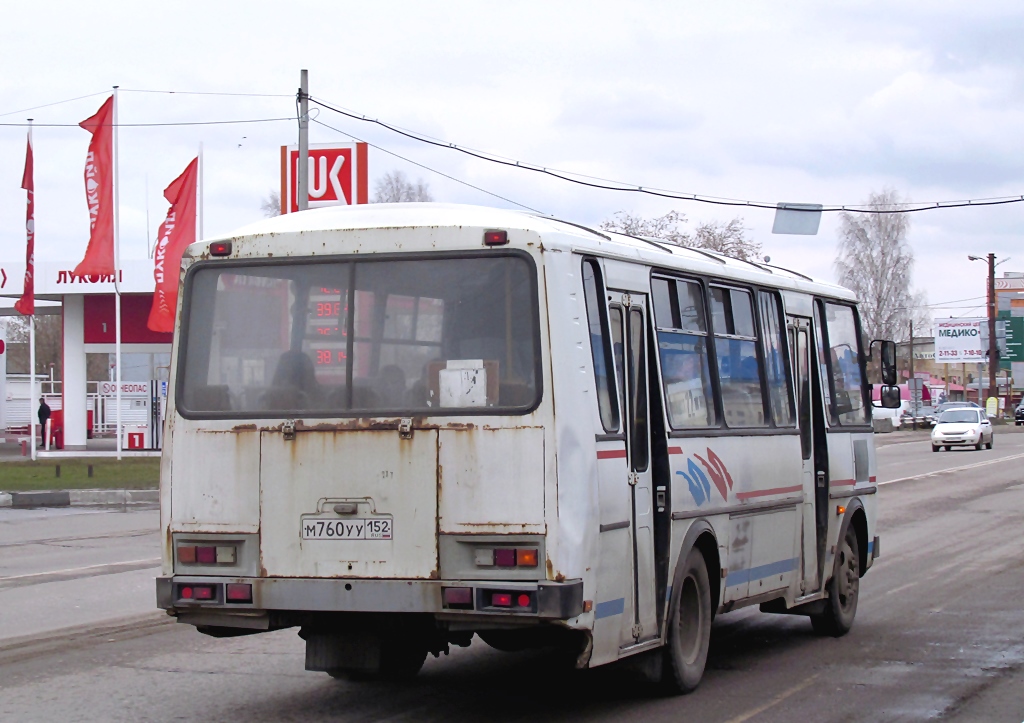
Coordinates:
(939,631)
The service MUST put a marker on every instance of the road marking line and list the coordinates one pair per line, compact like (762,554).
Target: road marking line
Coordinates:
(901,588)
(69,570)
(774,701)
(954,469)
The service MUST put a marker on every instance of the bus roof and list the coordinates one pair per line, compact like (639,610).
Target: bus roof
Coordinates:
(575,237)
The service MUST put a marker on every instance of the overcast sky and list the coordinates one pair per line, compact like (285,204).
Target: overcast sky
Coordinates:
(806,101)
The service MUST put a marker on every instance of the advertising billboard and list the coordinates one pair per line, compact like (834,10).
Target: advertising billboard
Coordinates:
(959,341)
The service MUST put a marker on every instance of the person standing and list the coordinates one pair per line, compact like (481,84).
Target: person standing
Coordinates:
(43,414)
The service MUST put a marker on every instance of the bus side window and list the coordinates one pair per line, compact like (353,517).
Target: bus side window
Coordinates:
(775,360)
(739,369)
(597,324)
(826,379)
(844,361)
(638,391)
(682,346)
(615,321)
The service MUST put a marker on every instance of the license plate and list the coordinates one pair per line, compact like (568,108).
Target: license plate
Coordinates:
(318,528)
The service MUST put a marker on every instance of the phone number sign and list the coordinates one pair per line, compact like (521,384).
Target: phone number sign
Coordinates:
(959,341)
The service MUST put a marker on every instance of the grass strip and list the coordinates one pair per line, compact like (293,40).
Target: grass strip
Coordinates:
(26,476)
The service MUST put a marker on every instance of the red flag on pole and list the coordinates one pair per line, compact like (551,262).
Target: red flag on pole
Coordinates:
(176,232)
(99,193)
(27,303)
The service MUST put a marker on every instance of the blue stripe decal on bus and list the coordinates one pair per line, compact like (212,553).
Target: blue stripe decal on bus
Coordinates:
(738,577)
(609,608)
(871,547)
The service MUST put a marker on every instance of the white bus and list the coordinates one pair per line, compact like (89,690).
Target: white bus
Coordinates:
(397,426)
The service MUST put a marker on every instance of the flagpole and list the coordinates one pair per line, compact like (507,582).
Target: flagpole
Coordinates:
(32,347)
(117,285)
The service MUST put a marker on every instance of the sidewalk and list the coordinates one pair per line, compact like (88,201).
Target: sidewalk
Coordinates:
(10,449)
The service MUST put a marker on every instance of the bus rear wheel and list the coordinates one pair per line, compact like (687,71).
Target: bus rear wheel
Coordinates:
(689,631)
(843,590)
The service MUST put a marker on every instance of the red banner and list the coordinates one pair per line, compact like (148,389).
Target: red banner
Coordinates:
(176,232)
(99,192)
(27,303)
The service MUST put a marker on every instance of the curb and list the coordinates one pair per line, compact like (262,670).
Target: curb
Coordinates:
(79,498)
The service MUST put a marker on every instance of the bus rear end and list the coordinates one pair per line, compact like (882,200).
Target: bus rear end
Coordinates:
(358,447)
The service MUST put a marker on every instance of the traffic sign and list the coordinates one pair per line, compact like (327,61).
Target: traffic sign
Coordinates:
(337,175)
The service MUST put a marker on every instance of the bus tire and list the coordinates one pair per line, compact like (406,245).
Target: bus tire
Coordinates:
(843,590)
(689,632)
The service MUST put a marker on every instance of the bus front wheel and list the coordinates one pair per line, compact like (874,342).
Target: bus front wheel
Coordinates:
(689,626)
(843,590)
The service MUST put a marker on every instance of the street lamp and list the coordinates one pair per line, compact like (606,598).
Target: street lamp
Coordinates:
(993,349)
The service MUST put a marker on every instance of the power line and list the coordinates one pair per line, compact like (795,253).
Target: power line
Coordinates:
(204,92)
(48,105)
(428,168)
(603,184)
(955,301)
(151,125)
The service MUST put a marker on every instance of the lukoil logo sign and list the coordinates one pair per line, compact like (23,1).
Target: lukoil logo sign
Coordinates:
(337,176)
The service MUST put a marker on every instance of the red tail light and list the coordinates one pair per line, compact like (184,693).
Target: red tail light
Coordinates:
(505,557)
(220,248)
(203,592)
(524,601)
(501,600)
(206,555)
(239,592)
(495,238)
(458,597)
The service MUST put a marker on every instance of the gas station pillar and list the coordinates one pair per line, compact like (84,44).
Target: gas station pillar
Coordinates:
(74,387)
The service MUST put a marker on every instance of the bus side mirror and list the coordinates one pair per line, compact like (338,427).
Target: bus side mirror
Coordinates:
(890,396)
(887,356)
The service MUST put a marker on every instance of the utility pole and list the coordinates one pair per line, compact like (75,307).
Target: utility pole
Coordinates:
(302,172)
(993,347)
(912,382)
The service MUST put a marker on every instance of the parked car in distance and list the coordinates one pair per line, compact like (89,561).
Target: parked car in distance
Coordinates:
(962,427)
(955,405)
(925,416)
(1018,414)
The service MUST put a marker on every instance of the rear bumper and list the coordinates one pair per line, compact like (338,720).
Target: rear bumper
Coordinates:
(554,600)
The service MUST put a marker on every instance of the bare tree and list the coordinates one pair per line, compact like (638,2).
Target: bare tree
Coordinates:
(727,238)
(49,345)
(271,205)
(394,187)
(662,227)
(875,261)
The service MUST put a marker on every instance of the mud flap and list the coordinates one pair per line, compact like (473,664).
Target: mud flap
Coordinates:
(358,651)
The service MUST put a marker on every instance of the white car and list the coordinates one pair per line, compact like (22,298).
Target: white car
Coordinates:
(960,428)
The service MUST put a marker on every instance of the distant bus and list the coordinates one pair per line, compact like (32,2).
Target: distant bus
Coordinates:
(397,426)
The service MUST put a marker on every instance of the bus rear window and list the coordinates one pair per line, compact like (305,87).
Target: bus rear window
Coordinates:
(365,337)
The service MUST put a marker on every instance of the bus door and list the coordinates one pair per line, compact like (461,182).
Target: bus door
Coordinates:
(811,427)
(632,370)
